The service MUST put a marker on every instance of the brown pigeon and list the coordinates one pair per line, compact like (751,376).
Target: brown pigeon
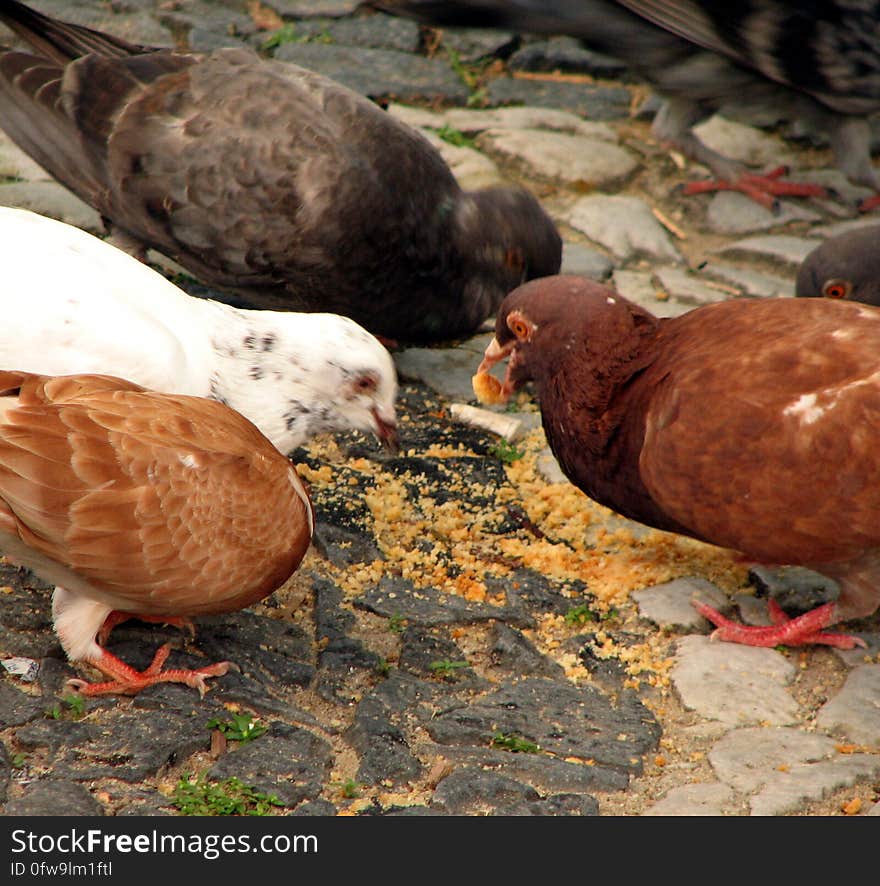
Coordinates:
(267,180)
(749,424)
(816,63)
(844,266)
(142,504)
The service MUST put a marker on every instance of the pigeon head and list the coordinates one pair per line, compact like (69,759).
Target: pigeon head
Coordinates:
(362,387)
(335,376)
(843,267)
(508,238)
(544,323)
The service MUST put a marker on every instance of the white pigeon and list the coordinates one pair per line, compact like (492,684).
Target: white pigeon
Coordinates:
(75,304)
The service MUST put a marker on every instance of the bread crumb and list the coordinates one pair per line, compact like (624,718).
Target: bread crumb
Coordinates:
(488,389)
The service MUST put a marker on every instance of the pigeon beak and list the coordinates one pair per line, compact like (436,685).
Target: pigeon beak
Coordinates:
(386,432)
(495,353)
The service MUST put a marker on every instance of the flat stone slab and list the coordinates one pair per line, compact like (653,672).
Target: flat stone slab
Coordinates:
(52,199)
(289,762)
(563,720)
(730,212)
(623,225)
(471,122)
(585,261)
(843,227)
(50,796)
(738,685)
(14,163)
(749,281)
(474,791)
(592,102)
(17,707)
(752,610)
(549,469)
(747,758)
(855,710)
(447,370)
(472,170)
(745,143)
(861,655)
(395,598)
(639,286)
(693,799)
(670,605)
(137,747)
(786,792)
(782,247)
(573,160)
(377,31)
(379,72)
(689,288)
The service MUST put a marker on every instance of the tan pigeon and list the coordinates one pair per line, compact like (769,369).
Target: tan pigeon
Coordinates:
(142,504)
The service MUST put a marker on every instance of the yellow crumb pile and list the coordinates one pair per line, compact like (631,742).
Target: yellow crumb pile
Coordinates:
(454,546)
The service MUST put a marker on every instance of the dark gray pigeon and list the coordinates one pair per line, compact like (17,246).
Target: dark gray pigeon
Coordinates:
(846,266)
(267,180)
(818,62)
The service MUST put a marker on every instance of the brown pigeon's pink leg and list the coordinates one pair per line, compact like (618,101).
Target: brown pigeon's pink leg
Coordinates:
(763,189)
(869,203)
(785,631)
(127,681)
(116,617)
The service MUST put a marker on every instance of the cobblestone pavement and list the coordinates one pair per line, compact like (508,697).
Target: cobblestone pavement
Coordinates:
(470,635)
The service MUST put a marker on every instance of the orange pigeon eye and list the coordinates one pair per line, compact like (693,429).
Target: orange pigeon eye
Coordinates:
(837,289)
(519,327)
(514,260)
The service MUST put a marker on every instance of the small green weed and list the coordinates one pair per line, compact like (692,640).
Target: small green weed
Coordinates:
(75,705)
(470,76)
(18,761)
(397,624)
(505,451)
(349,789)
(580,615)
(242,727)
(446,668)
(516,744)
(287,33)
(455,137)
(229,797)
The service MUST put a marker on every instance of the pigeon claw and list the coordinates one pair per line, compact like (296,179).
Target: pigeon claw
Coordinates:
(125,680)
(869,203)
(804,630)
(762,189)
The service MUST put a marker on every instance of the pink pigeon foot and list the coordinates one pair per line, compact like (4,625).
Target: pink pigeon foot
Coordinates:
(763,189)
(127,681)
(869,203)
(785,631)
